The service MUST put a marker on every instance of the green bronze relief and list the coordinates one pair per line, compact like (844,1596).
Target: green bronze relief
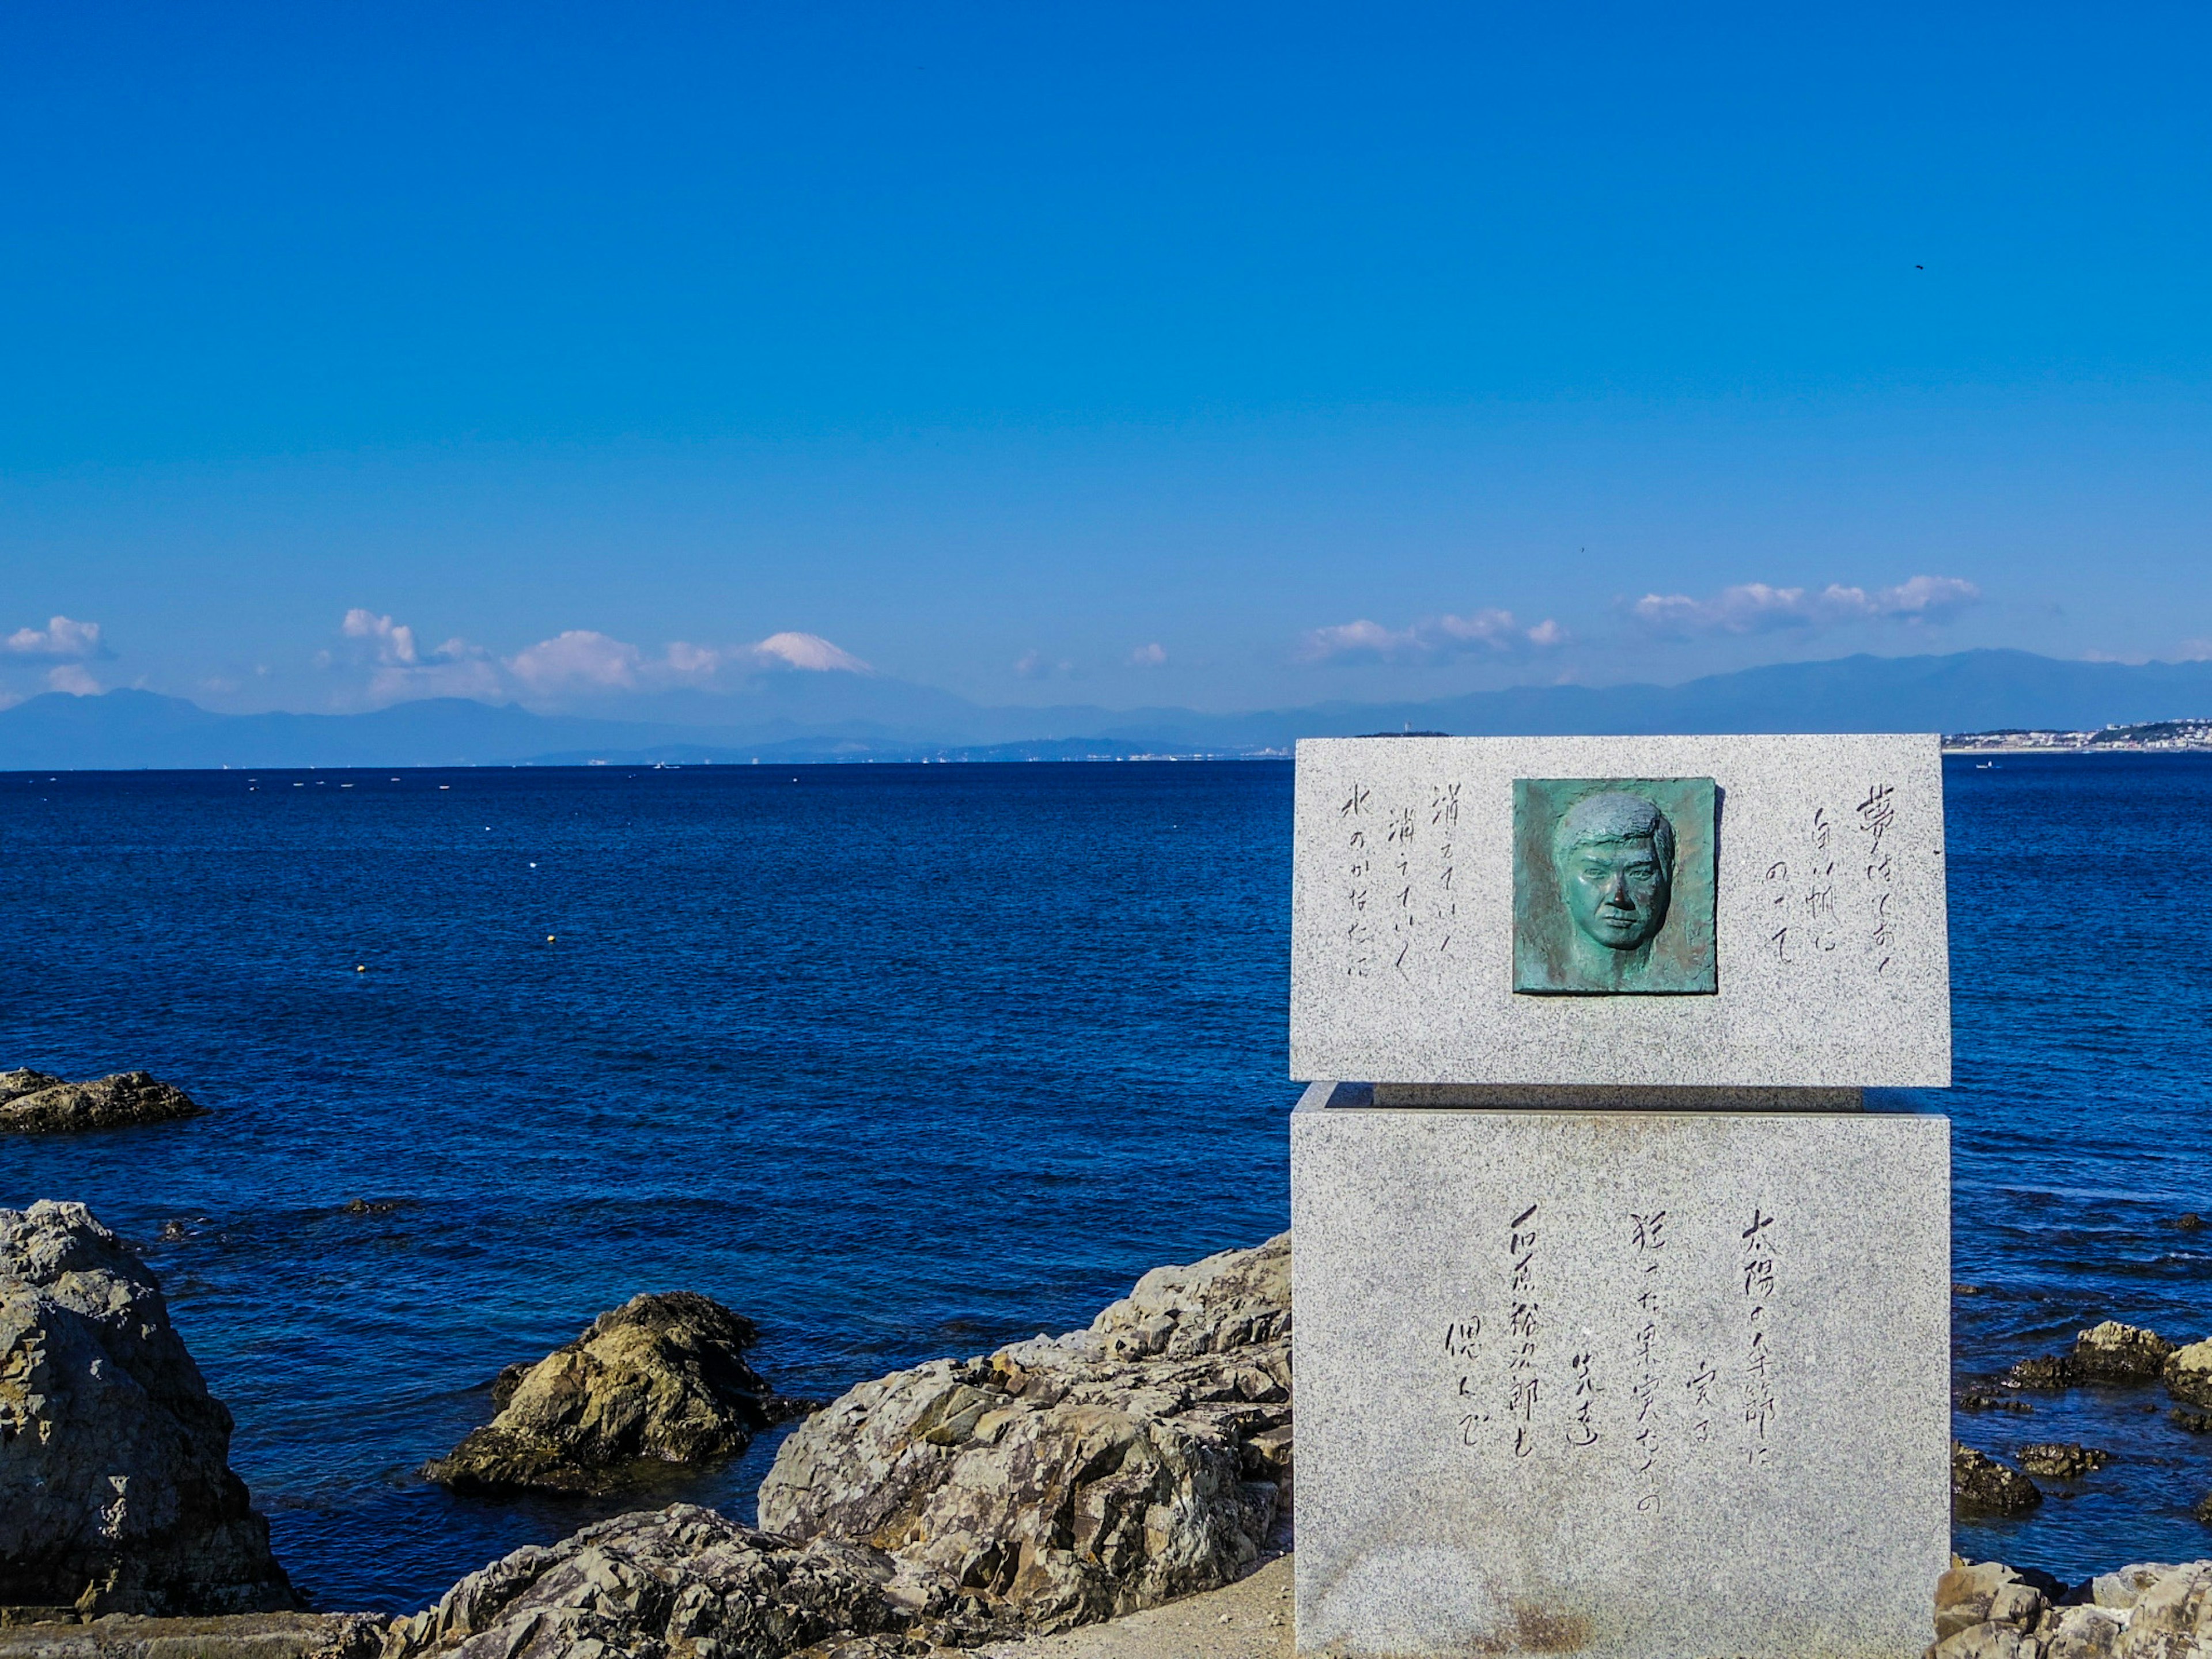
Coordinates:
(1612,886)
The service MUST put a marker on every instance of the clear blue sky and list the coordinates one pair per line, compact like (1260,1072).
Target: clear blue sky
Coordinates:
(1215,355)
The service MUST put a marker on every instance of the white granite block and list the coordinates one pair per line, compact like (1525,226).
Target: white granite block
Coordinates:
(1832,954)
(1620,1384)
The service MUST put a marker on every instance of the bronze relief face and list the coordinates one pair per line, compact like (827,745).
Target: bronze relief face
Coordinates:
(1613,886)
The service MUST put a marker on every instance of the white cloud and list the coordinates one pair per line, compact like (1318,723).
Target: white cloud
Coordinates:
(1154,655)
(72,679)
(579,657)
(1489,631)
(392,642)
(808,651)
(1756,608)
(2194,651)
(60,637)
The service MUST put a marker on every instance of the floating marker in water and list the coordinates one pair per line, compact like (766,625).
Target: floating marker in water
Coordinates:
(549,939)
(360,967)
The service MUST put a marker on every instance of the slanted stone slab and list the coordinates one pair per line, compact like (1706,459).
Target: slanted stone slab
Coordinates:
(1629,1383)
(1800,942)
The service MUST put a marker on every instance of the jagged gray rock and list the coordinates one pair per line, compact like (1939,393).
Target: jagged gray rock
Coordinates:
(1062,1480)
(683,1581)
(661,1380)
(1982,1485)
(116,1494)
(34,1103)
(2149,1611)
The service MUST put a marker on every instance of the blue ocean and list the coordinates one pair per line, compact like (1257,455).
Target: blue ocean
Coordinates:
(904,1061)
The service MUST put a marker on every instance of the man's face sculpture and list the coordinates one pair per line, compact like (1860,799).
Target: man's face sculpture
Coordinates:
(1615,853)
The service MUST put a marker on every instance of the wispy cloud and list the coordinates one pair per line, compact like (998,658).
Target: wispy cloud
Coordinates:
(1756,608)
(74,678)
(78,642)
(1154,655)
(577,662)
(1486,632)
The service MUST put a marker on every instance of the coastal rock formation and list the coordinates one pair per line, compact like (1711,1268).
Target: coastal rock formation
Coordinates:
(683,1581)
(2113,1353)
(1982,1485)
(659,1380)
(2188,1374)
(34,1103)
(1062,1480)
(2069,1461)
(2153,1611)
(116,1495)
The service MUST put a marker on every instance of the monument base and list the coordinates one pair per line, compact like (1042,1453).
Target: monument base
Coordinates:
(1622,1384)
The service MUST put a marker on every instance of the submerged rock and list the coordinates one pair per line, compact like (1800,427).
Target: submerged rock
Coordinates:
(1063,1481)
(116,1493)
(2053,1370)
(34,1103)
(2188,1374)
(661,1380)
(2113,1353)
(1982,1485)
(1980,1397)
(683,1581)
(2068,1460)
(2190,1422)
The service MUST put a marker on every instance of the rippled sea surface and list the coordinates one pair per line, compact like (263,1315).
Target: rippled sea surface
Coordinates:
(908,1061)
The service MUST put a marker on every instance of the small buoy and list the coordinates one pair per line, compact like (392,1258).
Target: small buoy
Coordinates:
(360,967)
(549,939)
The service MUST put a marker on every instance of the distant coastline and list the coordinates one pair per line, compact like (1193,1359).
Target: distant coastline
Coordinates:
(2181,736)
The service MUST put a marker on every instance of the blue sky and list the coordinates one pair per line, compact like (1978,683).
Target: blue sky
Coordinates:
(1224,356)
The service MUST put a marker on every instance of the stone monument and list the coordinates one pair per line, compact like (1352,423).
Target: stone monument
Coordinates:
(1622,1317)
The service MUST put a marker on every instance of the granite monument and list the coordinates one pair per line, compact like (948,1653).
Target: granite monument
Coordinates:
(1623,1312)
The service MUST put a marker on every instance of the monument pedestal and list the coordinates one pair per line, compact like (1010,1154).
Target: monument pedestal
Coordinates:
(1626,1383)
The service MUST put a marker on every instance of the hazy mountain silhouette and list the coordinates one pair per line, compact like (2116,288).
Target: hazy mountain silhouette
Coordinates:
(837,716)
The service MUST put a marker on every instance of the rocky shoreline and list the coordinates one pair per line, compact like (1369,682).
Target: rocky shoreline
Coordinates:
(1055,1483)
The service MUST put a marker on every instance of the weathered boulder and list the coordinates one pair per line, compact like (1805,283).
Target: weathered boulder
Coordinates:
(2188,1374)
(34,1103)
(1062,1480)
(116,1494)
(683,1581)
(1982,1485)
(2113,1353)
(1985,1593)
(661,1380)
(2063,1461)
(2189,1422)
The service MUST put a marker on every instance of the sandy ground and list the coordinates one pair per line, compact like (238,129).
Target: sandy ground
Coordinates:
(1250,1620)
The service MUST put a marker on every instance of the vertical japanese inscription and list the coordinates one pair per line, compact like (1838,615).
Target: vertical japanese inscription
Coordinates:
(1463,1348)
(1523,1382)
(1877,813)
(1399,838)
(1648,1232)
(1758,1380)
(1353,814)
(1444,908)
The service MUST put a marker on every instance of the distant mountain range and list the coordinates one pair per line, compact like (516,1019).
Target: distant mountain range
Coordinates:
(841,717)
